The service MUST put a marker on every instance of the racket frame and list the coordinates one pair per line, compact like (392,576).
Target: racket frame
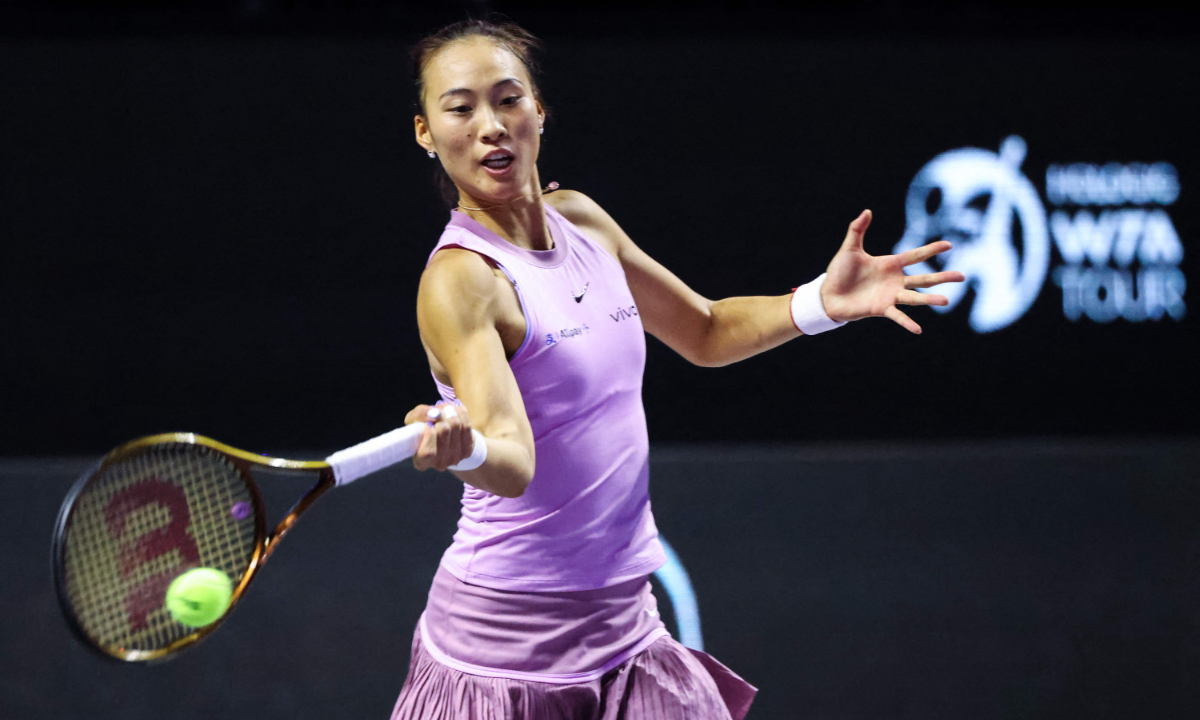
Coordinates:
(264,543)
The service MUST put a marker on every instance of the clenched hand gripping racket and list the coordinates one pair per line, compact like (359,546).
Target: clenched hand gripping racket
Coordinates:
(161,505)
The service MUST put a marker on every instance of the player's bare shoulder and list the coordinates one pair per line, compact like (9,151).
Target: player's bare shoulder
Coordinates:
(587,215)
(457,285)
(572,204)
(456,268)
(463,292)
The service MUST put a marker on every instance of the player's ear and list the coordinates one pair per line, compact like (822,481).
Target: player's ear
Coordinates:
(421,130)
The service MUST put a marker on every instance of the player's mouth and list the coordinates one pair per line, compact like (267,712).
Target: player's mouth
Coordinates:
(498,162)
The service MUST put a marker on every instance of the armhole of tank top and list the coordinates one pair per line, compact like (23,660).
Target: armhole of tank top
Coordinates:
(516,286)
(524,312)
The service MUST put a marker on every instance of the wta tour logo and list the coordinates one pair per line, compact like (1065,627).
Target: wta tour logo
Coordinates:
(1119,249)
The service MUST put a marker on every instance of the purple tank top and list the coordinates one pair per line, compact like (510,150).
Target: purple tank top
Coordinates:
(584,522)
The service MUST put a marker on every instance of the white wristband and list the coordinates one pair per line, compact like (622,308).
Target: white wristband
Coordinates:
(808,313)
(478,454)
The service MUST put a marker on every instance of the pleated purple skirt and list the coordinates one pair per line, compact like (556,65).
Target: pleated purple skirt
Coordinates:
(666,681)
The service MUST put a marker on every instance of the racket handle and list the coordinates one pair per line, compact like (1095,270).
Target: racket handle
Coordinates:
(375,454)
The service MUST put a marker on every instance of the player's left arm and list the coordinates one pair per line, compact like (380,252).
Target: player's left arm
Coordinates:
(719,332)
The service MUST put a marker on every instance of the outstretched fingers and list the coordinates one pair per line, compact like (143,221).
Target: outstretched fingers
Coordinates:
(857,231)
(912,297)
(923,253)
(902,320)
(930,279)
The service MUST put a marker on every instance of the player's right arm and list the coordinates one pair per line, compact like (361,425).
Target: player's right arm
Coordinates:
(458,304)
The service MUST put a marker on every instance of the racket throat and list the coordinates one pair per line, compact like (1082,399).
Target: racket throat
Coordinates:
(324,484)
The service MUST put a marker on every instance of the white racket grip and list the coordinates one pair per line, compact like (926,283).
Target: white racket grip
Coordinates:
(375,454)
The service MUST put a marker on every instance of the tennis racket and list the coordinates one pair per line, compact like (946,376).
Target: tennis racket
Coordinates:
(161,505)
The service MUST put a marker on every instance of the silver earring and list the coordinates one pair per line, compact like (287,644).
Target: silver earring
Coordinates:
(541,131)
(431,153)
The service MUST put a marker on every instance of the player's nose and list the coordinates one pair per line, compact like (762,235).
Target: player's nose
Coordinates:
(490,126)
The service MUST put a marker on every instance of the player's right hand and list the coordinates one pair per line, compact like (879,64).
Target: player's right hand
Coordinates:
(447,439)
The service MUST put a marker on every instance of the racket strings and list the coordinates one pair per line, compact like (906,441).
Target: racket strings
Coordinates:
(142,522)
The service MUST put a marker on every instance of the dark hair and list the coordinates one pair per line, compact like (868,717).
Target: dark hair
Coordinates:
(514,38)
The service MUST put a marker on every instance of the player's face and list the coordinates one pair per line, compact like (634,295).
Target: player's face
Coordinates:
(482,120)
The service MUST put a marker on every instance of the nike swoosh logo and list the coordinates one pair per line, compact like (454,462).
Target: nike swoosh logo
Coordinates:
(579,296)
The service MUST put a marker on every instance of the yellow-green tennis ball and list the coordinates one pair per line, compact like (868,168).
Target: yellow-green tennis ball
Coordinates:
(199,597)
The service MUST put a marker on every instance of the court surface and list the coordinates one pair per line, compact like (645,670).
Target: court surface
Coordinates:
(988,580)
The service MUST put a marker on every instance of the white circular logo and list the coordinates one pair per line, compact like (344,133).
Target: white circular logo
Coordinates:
(981,202)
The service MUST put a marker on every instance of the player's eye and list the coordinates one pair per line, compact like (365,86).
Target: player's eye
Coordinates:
(510,100)
(461,109)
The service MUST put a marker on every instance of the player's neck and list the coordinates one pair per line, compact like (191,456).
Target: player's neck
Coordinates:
(521,221)
(523,226)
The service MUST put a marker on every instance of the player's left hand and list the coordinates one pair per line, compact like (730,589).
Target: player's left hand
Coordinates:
(859,285)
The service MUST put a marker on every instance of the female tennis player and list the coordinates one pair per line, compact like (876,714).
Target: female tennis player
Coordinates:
(532,310)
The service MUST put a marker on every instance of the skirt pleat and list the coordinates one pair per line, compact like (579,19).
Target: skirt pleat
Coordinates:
(664,682)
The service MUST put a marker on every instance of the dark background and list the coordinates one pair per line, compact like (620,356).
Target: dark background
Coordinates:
(213,218)
(222,230)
